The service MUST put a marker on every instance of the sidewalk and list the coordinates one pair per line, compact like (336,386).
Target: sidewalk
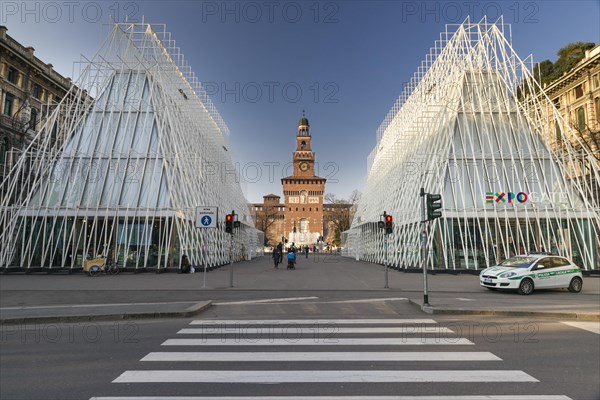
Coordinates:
(100,312)
(42,297)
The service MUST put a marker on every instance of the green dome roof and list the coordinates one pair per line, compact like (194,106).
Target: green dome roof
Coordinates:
(303,121)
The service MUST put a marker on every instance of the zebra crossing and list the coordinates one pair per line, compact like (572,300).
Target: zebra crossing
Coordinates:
(340,351)
(592,326)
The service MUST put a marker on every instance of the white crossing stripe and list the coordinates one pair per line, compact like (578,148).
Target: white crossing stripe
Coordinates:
(318,341)
(323,329)
(321,356)
(462,397)
(311,321)
(588,326)
(322,376)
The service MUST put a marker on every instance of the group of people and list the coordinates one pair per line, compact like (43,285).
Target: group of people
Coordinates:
(291,254)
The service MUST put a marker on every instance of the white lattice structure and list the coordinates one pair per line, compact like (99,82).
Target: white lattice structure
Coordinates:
(120,166)
(465,127)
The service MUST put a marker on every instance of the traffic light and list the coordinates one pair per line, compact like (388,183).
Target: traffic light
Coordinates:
(229,223)
(433,204)
(389,224)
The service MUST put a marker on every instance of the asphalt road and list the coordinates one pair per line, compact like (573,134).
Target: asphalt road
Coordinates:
(326,277)
(526,357)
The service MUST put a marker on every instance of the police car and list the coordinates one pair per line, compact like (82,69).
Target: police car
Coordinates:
(533,271)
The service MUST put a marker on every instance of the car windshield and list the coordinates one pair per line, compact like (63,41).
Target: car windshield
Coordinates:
(518,262)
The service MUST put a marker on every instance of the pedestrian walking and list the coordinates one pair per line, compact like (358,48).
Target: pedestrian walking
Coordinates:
(185,264)
(276,256)
(306,251)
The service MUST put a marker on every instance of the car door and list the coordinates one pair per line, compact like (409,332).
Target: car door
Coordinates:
(561,269)
(544,274)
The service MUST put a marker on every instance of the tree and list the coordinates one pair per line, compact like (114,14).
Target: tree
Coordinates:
(264,218)
(568,56)
(546,72)
(341,214)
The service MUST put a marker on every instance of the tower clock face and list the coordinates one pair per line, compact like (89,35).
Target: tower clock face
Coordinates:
(303,166)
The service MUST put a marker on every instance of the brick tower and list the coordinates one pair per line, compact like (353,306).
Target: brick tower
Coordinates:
(303,192)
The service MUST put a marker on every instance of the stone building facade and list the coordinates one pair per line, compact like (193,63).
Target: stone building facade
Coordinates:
(29,91)
(576,95)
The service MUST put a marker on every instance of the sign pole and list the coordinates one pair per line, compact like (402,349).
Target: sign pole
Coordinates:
(206,217)
(203,262)
(424,248)
(385,258)
(231,260)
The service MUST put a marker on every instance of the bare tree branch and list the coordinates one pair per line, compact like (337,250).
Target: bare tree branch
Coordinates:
(341,212)
(265,218)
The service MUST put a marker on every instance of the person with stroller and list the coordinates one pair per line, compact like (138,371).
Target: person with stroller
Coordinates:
(291,256)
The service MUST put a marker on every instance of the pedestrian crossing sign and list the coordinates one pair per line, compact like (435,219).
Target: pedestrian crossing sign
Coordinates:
(206,217)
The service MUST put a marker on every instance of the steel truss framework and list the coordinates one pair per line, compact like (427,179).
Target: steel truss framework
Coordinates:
(467,127)
(121,165)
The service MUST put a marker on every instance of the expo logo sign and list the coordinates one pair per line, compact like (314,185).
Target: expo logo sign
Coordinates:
(508,197)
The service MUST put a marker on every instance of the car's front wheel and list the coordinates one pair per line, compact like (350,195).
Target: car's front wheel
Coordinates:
(526,286)
(575,285)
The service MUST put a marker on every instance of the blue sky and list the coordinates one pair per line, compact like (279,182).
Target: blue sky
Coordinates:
(344,62)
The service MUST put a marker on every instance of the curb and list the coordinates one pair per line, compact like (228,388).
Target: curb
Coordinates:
(188,312)
(507,313)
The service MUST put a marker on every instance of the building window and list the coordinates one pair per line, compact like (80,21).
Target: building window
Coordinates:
(3,150)
(11,76)
(597,107)
(296,208)
(9,101)
(578,91)
(556,103)
(557,130)
(33,118)
(596,80)
(54,133)
(580,118)
(37,91)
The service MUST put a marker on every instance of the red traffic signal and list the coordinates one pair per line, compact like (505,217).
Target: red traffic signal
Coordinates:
(229,223)
(389,224)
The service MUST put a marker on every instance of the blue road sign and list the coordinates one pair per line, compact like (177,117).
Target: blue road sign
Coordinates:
(206,217)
